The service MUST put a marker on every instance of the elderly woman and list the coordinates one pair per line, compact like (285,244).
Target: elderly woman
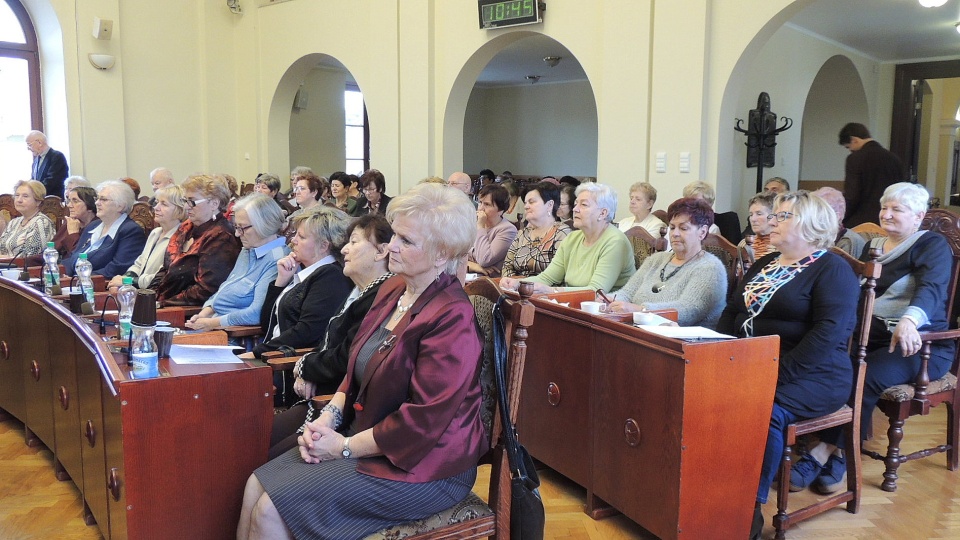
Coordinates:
(81,204)
(687,278)
(374,201)
(306,191)
(537,243)
(568,196)
(310,285)
(848,240)
(760,206)
(28,233)
(642,198)
(408,409)
(911,295)
(340,183)
(169,211)
(257,221)
(808,296)
(114,244)
(494,232)
(597,256)
(322,370)
(269,185)
(203,250)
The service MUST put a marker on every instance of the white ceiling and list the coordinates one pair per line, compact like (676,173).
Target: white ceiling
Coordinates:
(894,31)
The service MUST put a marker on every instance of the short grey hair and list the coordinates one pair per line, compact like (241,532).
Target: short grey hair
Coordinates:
(263,212)
(74,182)
(162,173)
(271,180)
(325,223)
(122,194)
(913,196)
(700,190)
(816,222)
(605,196)
(834,198)
(446,216)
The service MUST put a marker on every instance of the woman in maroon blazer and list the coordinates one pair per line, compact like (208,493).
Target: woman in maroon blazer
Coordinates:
(401,438)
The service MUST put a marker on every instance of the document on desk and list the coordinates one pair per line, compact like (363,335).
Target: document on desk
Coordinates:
(205,354)
(687,333)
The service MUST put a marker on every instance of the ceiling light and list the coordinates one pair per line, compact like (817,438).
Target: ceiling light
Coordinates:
(552,61)
(533,78)
(932,3)
(957,26)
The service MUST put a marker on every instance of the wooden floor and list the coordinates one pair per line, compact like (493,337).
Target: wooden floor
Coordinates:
(34,505)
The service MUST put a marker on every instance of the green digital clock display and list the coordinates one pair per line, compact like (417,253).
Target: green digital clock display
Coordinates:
(500,13)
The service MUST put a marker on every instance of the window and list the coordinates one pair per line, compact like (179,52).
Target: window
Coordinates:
(19,92)
(357,132)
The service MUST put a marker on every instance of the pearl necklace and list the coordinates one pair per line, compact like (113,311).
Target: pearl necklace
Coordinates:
(401,309)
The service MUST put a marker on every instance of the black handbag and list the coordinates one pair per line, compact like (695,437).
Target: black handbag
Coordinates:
(526,506)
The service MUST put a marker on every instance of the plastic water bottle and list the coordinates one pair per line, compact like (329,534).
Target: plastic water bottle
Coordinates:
(143,353)
(85,270)
(126,297)
(51,271)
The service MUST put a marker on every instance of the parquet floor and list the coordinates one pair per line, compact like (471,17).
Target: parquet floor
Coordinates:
(34,505)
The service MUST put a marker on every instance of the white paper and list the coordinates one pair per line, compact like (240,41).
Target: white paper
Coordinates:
(204,354)
(692,333)
(655,320)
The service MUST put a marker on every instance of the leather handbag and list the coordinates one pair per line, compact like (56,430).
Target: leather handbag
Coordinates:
(526,506)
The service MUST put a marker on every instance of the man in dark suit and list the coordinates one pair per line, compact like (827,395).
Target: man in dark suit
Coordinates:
(49,166)
(870,169)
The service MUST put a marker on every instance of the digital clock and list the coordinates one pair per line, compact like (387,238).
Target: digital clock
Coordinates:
(501,13)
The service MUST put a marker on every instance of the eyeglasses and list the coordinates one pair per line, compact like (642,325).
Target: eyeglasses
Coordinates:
(298,189)
(192,203)
(780,216)
(72,202)
(370,190)
(240,230)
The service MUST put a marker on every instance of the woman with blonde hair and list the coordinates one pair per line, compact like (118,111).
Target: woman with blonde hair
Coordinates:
(28,233)
(169,211)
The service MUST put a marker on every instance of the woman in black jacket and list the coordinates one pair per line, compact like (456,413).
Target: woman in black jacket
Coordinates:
(321,370)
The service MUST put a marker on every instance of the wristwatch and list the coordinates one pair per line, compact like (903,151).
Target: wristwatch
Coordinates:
(346,453)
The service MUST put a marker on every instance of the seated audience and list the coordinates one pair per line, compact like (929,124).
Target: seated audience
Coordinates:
(203,250)
(703,190)
(514,211)
(82,207)
(808,296)
(168,213)
(160,178)
(373,201)
(410,431)
(257,220)
(28,233)
(269,185)
(494,232)
(340,183)
(597,256)
(568,196)
(310,284)
(307,188)
(760,205)
(642,198)
(320,371)
(537,243)
(777,185)
(911,296)
(569,180)
(74,182)
(848,240)
(114,244)
(687,278)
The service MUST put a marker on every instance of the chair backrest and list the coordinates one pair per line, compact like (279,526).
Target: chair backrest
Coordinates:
(728,254)
(868,272)
(947,224)
(6,205)
(246,189)
(661,215)
(52,207)
(747,256)
(644,244)
(729,225)
(869,231)
(143,215)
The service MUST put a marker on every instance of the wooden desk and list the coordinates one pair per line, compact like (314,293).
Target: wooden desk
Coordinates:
(154,458)
(670,433)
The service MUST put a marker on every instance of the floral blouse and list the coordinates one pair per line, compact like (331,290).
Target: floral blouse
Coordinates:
(529,255)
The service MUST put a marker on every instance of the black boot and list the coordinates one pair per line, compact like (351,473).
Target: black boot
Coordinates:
(757,526)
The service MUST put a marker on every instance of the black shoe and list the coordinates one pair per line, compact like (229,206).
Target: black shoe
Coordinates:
(757,526)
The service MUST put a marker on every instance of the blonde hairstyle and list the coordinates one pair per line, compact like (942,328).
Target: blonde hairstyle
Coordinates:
(174,195)
(37,187)
(700,190)
(325,223)
(211,186)
(445,216)
(816,221)
(646,188)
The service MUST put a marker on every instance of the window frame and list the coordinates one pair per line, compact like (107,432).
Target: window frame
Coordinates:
(29,51)
(353,87)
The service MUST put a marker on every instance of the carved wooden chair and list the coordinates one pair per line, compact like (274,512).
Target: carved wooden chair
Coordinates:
(869,231)
(661,215)
(52,206)
(918,398)
(846,416)
(7,208)
(246,189)
(143,215)
(644,244)
(728,254)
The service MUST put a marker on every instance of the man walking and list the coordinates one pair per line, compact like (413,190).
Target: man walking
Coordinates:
(870,169)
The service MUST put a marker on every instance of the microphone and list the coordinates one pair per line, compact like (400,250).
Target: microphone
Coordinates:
(24,274)
(103,312)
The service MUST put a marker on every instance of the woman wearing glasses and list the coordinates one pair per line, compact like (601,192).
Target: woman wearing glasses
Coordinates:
(257,221)
(372,184)
(808,296)
(81,204)
(168,213)
(202,251)
(686,278)
(114,244)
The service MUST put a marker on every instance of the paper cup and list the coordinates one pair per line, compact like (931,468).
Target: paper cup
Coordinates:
(591,307)
(643,318)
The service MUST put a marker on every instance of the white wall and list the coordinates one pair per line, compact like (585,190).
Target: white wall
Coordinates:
(534,129)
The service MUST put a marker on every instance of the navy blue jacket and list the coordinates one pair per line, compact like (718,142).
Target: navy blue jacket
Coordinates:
(53,171)
(115,255)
